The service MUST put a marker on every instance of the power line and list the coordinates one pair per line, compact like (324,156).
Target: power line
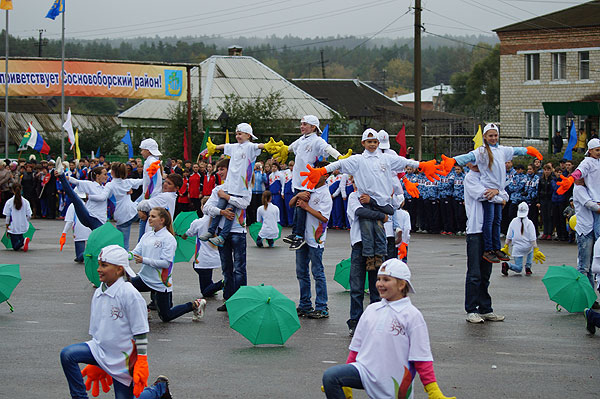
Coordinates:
(455,20)
(457,41)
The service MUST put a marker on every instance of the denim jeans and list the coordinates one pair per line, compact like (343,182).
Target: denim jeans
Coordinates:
(16,240)
(214,222)
(207,286)
(517,266)
(125,228)
(477,297)
(492,219)
(585,248)
(164,301)
(373,238)
(336,377)
(358,274)
(82,212)
(314,256)
(233,263)
(142,228)
(299,224)
(596,225)
(79,250)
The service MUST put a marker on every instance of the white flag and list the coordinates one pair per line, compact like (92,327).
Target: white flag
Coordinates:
(68,126)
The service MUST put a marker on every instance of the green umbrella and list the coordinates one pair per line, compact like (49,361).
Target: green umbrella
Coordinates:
(254,229)
(28,234)
(569,288)
(185,248)
(262,314)
(10,277)
(99,238)
(342,274)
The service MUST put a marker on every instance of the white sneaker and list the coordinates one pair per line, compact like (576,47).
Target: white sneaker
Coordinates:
(474,318)
(59,167)
(198,312)
(492,317)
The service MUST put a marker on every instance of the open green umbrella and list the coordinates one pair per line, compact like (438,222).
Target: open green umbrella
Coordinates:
(254,229)
(10,277)
(262,315)
(185,248)
(569,288)
(28,234)
(342,274)
(99,238)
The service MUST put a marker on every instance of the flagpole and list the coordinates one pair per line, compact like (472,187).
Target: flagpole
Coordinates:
(6,92)
(62,89)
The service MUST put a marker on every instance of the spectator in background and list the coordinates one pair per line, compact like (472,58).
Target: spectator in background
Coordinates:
(559,203)
(5,183)
(593,134)
(544,201)
(581,145)
(557,142)
(195,188)
(260,179)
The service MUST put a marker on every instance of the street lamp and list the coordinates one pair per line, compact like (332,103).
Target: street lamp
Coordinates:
(365,117)
(223,119)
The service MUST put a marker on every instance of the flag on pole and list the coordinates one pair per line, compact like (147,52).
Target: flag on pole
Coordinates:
(97,153)
(226,136)
(6,5)
(68,126)
(325,134)
(57,7)
(186,155)
(77,152)
(127,140)
(34,140)
(478,139)
(401,139)
(572,141)
(204,140)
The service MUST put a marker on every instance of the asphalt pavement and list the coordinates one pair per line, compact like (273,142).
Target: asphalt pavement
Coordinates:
(536,352)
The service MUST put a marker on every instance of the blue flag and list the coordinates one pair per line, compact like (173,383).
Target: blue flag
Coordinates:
(97,153)
(572,141)
(57,7)
(325,136)
(127,140)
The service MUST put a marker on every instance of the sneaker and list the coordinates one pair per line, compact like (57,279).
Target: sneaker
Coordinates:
(161,379)
(222,308)
(490,256)
(318,314)
(152,306)
(59,167)
(297,243)
(26,244)
(589,325)
(289,238)
(502,256)
(505,268)
(528,271)
(492,317)
(218,241)
(259,242)
(198,311)
(474,318)
(351,327)
(205,236)
(304,312)
(370,262)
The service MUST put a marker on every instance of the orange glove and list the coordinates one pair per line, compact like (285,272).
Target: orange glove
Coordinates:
(564,184)
(430,169)
(95,374)
(312,176)
(63,239)
(534,153)
(411,188)
(402,250)
(140,375)
(447,164)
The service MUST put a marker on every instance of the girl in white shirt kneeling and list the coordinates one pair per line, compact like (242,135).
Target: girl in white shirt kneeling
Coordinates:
(18,212)
(268,215)
(522,234)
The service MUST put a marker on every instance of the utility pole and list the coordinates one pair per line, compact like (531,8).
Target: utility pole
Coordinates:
(322,65)
(41,43)
(417,80)
(384,79)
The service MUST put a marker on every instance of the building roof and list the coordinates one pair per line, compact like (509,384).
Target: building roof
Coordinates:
(580,16)
(243,76)
(426,94)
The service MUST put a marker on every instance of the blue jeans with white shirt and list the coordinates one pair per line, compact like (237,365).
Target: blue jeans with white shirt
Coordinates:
(214,222)
(517,264)
(311,259)
(233,263)
(125,228)
(585,249)
(342,375)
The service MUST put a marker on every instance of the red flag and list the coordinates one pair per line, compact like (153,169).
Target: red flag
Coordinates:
(401,139)
(186,155)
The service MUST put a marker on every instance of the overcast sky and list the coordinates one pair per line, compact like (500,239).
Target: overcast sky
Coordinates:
(87,19)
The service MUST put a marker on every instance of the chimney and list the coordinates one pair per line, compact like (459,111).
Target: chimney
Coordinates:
(235,50)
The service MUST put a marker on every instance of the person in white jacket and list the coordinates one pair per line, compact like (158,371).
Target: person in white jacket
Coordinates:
(268,215)
(522,235)
(18,212)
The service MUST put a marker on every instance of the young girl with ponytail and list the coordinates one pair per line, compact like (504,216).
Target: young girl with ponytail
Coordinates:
(268,215)
(522,234)
(18,212)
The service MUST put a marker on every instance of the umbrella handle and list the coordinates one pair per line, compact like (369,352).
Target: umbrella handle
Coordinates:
(557,308)
(10,307)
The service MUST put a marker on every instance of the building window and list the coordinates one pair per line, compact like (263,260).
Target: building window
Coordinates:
(584,65)
(532,125)
(532,67)
(559,122)
(559,66)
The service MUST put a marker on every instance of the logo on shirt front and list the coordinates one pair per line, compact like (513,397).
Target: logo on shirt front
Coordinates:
(308,148)
(383,167)
(396,328)
(116,313)
(157,244)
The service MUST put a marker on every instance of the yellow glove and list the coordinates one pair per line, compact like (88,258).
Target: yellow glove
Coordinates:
(538,256)
(210,147)
(346,155)
(347,391)
(271,146)
(505,249)
(282,154)
(434,392)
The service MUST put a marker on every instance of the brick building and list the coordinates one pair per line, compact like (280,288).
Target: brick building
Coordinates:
(550,74)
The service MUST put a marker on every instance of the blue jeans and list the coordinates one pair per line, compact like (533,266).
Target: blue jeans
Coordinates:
(142,229)
(594,317)
(125,228)
(517,266)
(358,274)
(373,237)
(233,263)
(164,301)
(585,248)
(596,225)
(79,249)
(342,375)
(492,219)
(305,255)
(214,222)
(82,212)
(299,224)
(207,286)
(72,355)
(16,240)
(477,297)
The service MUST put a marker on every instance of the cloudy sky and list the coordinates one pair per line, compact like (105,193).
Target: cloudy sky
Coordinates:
(87,19)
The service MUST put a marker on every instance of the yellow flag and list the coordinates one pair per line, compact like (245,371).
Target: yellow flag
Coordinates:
(478,139)
(227,136)
(77,153)
(6,4)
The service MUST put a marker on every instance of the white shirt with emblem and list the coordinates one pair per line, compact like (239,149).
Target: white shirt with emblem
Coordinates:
(241,166)
(165,200)
(240,203)
(17,219)
(269,218)
(308,148)
(80,232)
(157,249)
(117,314)
(206,255)
(388,337)
(157,189)
(316,231)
